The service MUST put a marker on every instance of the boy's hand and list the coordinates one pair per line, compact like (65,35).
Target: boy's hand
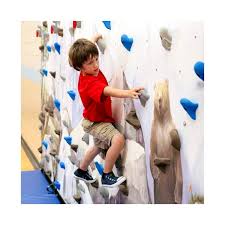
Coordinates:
(96,37)
(119,93)
(134,92)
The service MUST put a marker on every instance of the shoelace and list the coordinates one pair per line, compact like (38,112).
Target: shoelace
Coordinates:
(89,176)
(111,175)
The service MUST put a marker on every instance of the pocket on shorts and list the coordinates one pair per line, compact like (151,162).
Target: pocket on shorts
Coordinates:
(87,124)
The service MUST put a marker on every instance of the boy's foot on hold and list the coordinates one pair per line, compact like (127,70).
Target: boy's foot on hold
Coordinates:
(110,180)
(84,175)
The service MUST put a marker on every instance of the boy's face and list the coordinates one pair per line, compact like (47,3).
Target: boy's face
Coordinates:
(91,66)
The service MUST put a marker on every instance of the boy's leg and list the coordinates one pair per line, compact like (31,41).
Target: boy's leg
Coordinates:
(89,156)
(106,136)
(108,177)
(82,172)
(113,152)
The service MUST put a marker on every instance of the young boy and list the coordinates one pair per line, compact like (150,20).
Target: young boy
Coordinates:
(98,122)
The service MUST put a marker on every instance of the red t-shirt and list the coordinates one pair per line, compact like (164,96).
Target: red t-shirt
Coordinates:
(97,106)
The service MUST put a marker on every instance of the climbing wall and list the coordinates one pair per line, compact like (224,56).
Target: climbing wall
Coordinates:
(131,54)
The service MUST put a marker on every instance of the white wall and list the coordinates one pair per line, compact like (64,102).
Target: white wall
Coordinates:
(146,63)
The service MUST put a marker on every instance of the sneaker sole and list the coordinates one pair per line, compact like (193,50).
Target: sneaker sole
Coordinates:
(120,181)
(86,181)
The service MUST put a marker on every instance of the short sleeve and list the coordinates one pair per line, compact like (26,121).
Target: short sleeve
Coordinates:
(95,90)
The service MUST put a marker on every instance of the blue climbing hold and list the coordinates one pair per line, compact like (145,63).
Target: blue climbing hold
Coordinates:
(57,47)
(49,48)
(57,104)
(68,139)
(199,69)
(57,184)
(45,143)
(45,72)
(107,24)
(62,165)
(72,94)
(126,41)
(189,107)
(99,167)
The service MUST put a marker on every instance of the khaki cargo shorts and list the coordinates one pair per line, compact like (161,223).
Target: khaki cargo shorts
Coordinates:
(102,132)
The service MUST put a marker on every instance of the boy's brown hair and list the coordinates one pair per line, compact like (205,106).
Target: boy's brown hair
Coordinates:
(81,51)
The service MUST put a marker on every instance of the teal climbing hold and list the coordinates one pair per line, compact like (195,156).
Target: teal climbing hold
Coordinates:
(99,167)
(189,107)
(45,72)
(107,24)
(126,41)
(57,104)
(57,184)
(199,69)
(62,165)
(45,143)
(57,47)
(68,139)
(72,94)
(49,48)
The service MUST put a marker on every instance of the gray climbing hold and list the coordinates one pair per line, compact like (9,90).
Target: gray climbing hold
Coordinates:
(58,132)
(74,147)
(42,117)
(73,159)
(53,152)
(57,23)
(81,188)
(124,189)
(40,149)
(57,158)
(60,32)
(144,97)
(104,192)
(85,138)
(53,74)
(71,30)
(77,197)
(62,77)
(41,48)
(65,124)
(95,184)
(47,158)
(119,163)
(45,24)
(132,119)
(49,109)
(166,38)
(102,154)
(48,173)
(102,45)
(78,24)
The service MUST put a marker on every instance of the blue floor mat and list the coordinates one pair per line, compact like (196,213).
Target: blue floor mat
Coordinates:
(33,189)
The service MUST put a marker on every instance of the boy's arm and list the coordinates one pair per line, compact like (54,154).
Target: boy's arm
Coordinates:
(119,93)
(95,38)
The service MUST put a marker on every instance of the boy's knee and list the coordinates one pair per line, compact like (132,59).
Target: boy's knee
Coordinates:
(119,139)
